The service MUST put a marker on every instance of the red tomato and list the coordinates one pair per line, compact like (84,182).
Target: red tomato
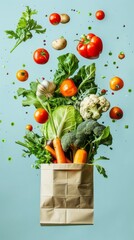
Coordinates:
(116,113)
(41,56)
(100,14)
(41,115)
(55,18)
(22,75)
(29,127)
(68,88)
(90,46)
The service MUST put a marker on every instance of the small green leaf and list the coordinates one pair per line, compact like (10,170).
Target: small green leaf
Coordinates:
(102,171)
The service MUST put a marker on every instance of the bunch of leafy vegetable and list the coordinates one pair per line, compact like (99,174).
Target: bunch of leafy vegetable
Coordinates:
(65,120)
(34,145)
(25,27)
(67,65)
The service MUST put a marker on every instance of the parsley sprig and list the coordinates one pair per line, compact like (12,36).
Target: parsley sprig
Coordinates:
(34,145)
(25,27)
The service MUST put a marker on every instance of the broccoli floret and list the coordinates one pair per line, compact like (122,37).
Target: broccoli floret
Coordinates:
(85,133)
(98,130)
(68,139)
(86,128)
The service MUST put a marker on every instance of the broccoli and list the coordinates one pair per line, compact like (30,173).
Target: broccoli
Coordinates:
(89,134)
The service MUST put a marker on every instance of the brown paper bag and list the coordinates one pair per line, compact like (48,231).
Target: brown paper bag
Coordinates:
(66,194)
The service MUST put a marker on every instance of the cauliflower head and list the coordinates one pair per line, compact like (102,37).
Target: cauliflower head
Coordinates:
(93,106)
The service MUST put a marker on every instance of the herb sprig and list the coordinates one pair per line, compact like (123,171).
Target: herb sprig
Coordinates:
(34,145)
(25,27)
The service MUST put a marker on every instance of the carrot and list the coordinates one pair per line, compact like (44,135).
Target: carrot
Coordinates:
(52,151)
(80,156)
(60,156)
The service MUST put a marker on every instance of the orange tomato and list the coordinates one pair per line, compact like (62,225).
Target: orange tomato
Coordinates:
(29,127)
(116,83)
(68,88)
(116,113)
(121,55)
(22,75)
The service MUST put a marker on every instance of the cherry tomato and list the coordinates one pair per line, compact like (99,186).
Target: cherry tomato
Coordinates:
(41,56)
(68,88)
(121,55)
(55,18)
(116,113)
(29,127)
(116,83)
(103,91)
(22,75)
(41,115)
(90,46)
(100,14)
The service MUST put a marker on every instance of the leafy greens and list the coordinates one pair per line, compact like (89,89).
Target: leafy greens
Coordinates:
(66,118)
(25,27)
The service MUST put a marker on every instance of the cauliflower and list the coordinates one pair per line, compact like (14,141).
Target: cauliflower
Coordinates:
(93,106)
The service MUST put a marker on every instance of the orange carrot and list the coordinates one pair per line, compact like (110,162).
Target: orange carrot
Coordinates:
(80,156)
(60,156)
(52,151)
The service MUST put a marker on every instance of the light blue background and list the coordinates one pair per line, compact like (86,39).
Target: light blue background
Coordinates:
(19,183)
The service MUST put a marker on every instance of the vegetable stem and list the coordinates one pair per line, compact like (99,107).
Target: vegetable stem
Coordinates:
(16,45)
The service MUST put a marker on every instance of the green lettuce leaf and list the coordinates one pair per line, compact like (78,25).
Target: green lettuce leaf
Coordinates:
(85,78)
(66,118)
(30,95)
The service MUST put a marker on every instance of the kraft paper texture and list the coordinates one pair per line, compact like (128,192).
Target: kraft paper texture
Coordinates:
(66,194)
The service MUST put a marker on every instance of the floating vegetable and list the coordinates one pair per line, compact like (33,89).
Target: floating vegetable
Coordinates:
(100,15)
(22,75)
(121,55)
(54,18)
(90,46)
(29,127)
(116,83)
(41,115)
(59,44)
(41,56)
(116,113)
(64,18)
